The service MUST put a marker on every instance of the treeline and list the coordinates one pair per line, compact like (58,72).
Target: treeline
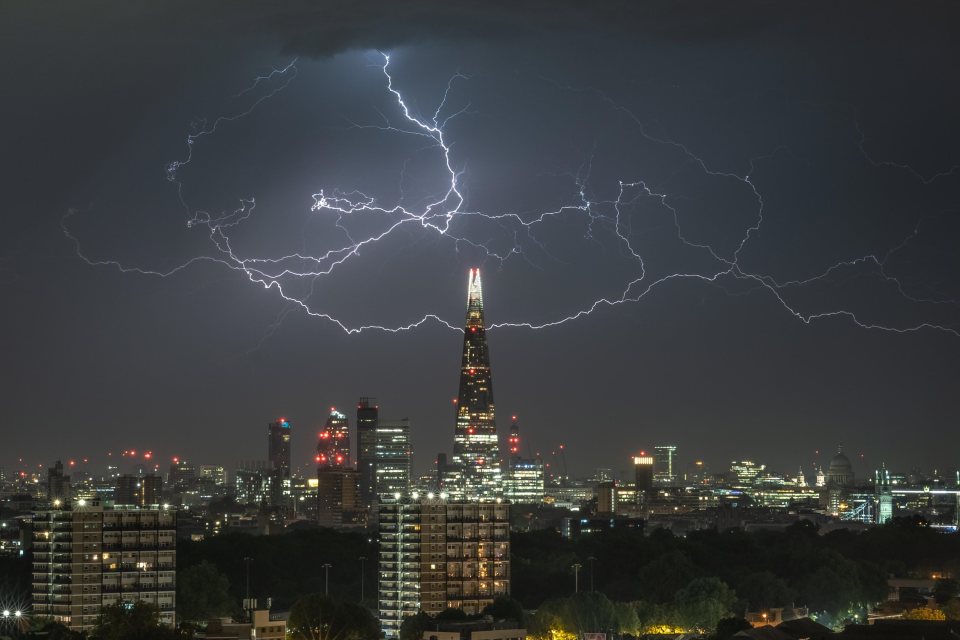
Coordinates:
(828,573)
(285,567)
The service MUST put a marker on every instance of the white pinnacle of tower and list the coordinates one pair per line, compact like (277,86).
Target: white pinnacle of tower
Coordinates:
(474,288)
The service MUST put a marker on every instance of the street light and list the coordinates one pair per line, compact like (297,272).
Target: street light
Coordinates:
(363,560)
(576,576)
(247,560)
(326,580)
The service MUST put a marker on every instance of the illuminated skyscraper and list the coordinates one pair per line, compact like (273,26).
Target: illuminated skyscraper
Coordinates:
(643,477)
(476,452)
(333,449)
(278,457)
(524,481)
(338,496)
(393,457)
(664,464)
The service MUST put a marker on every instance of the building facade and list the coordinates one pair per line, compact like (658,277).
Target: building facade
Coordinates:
(393,457)
(368,418)
(476,451)
(437,554)
(138,491)
(524,479)
(643,477)
(88,557)
(338,492)
(278,446)
(664,464)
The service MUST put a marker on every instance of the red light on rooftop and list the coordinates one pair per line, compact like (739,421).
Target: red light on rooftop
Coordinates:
(133,452)
(72,463)
(176,460)
(318,458)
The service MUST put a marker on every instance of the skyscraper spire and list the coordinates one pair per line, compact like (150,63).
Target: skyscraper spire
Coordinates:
(476,451)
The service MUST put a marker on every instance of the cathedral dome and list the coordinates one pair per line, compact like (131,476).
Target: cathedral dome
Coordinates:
(840,472)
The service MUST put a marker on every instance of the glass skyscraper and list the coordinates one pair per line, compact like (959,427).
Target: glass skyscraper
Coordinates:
(476,452)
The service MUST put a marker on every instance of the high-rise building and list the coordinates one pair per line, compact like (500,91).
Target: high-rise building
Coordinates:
(278,457)
(476,451)
(664,464)
(278,446)
(368,417)
(524,481)
(58,484)
(745,473)
(437,554)
(182,474)
(338,494)
(253,485)
(138,491)
(333,448)
(393,457)
(643,477)
(88,557)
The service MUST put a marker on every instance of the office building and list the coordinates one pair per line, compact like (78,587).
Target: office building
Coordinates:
(278,446)
(437,554)
(643,477)
(253,483)
(523,483)
(278,458)
(138,491)
(393,457)
(333,447)
(338,493)
(476,452)
(368,417)
(664,465)
(88,557)
(182,474)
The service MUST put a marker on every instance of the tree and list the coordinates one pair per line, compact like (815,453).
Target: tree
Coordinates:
(203,593)
(924,613)
(727,627)
(952,609)
(704,602)
(945,589)
(504,608)
(661,578)
(412,627)
(137,621)
(320,617)
(763,590)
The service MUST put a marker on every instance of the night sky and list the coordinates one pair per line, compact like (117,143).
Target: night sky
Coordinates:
(840,119)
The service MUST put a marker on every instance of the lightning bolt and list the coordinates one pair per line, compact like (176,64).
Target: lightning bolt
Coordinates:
(443,215)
